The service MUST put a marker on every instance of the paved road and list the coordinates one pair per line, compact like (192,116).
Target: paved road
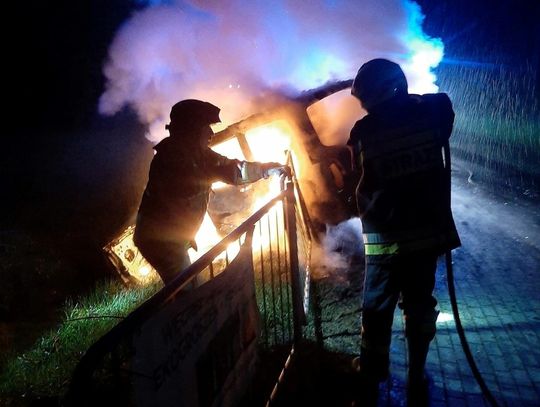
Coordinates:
(497,284)
(498,288)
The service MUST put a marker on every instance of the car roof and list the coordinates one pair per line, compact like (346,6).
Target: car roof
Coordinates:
(301,102)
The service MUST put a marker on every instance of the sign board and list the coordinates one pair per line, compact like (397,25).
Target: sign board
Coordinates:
(200,349)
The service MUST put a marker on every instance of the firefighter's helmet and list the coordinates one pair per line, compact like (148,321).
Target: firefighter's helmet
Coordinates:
(189,112)
(377,81)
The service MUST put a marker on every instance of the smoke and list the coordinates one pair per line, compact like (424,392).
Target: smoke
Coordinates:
(238,54)
(341,245)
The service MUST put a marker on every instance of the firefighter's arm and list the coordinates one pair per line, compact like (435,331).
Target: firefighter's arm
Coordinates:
(442,112)
(238,172)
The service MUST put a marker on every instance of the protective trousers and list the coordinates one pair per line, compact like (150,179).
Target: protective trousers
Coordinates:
(168,258)
(387,277)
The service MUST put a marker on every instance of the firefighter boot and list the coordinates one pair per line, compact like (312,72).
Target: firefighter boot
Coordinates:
(372,369)
(419,332)
(417,383)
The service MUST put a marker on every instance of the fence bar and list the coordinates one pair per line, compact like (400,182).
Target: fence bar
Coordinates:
(286,254)
(263,288)
(298,308)
(280,274)
(272,278)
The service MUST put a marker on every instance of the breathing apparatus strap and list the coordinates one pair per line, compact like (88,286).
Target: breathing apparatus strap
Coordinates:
(452,294)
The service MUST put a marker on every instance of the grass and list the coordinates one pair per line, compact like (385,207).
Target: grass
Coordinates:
(496,121)
(45,370)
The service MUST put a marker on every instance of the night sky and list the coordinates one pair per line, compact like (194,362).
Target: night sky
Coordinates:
(59,57)
(59,48)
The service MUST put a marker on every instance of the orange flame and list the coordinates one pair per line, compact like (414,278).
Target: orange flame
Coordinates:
(268,143)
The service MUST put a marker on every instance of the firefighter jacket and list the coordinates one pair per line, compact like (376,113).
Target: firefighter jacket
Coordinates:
(176,197)
(403,193)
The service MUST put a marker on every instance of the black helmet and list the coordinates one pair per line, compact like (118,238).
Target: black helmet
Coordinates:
(190,112)
(378,80)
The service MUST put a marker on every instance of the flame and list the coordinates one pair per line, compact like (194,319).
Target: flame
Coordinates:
(229,148)
(267,232)
(268,143)
(207,236)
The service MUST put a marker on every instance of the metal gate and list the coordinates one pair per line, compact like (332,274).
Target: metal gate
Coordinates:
(278,237)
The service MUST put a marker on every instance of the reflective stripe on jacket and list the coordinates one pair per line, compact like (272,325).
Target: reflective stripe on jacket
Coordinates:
(408,241)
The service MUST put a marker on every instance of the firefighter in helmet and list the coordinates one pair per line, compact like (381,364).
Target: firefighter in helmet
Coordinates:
(403,200)
(181,174)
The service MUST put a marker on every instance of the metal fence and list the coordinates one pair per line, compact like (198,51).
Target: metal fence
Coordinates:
(280,239)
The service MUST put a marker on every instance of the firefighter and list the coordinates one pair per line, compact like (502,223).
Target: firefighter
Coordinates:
(182,171)
(403,200)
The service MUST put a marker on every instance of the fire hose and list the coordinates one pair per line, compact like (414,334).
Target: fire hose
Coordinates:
(453,301)
(461,333)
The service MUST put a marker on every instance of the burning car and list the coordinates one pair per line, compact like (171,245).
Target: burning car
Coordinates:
(289,132)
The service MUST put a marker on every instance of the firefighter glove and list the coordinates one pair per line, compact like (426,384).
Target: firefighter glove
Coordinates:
(271,169)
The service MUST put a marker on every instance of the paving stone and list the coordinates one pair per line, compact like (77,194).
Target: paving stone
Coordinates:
(521,376)
(454,385)
(492,349)
(471,387)
(456,402)
(474,400)
(534,373)
(513,360)
(528,393)
(500,365)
